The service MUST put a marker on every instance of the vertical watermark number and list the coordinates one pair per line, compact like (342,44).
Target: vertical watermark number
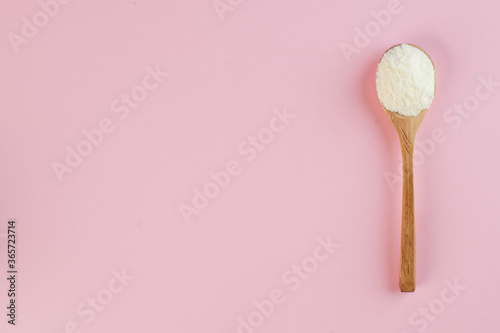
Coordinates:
(11,271)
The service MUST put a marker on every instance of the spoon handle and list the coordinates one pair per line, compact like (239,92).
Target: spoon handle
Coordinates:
(407,261)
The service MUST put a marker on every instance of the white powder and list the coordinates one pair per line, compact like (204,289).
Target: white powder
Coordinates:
(405,80)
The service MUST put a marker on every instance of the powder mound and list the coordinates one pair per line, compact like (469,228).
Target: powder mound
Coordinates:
(405,80)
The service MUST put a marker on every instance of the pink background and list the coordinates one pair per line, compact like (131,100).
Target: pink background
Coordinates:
(329,173)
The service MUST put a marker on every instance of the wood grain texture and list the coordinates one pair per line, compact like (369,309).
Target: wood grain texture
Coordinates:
(407,128)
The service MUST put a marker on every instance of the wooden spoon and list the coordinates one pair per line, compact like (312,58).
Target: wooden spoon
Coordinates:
(407,128)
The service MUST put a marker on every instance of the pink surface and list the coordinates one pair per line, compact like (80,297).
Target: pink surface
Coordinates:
(300,233)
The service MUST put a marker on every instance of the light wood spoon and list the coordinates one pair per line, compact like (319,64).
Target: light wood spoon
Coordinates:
(407,128)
